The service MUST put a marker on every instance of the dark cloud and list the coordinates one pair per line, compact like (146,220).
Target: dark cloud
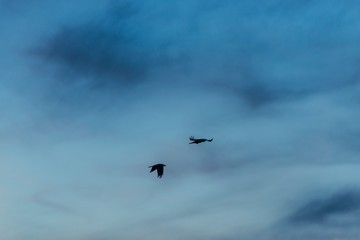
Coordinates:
(102,52)
(321,210)
(94,53)
(121,46)
(256,94)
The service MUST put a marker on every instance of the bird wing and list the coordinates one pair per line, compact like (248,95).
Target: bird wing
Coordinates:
(153,168)
(160,171)
(192,138)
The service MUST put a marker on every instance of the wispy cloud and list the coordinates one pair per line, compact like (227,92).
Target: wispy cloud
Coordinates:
(323,210)
(40,198)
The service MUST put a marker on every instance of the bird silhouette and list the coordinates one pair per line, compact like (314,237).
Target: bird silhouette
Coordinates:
(159,168)
(199,140)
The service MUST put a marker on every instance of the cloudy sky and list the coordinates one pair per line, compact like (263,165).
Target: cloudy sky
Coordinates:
(93,92)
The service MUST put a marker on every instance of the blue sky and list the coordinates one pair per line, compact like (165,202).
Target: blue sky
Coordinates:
(93,92)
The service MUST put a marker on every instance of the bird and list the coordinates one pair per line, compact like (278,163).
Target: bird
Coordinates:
(200,140)
(159,168)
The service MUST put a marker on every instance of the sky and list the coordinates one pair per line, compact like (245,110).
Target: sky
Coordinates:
(94,92)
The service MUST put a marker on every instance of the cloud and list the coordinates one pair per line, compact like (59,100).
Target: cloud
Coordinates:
(40,199)
(270,81)
(321,210)
(97,52)
(262,61)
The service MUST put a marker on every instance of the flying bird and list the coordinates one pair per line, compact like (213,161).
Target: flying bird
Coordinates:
(159,168)
(199,140)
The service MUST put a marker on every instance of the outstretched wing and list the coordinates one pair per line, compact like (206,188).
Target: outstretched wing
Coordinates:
(160,171)
(153,168)
(210,140)
(192,138)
